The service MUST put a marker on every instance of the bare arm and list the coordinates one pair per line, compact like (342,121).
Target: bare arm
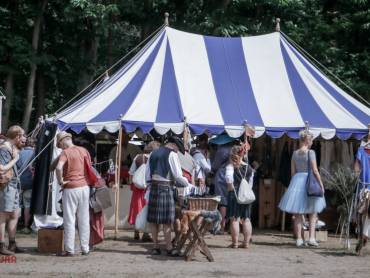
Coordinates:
(59,173)
(10,164)
(229,177)
(54,163)
(357,168)
(316,172)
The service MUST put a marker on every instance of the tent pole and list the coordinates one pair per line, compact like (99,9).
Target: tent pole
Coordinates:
(166,15)
(277,27)
(186,134)
(118,179)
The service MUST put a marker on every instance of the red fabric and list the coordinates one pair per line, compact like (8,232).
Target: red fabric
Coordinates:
(367,151)
(137,203)
(187,175)
(90,173)
(96,227)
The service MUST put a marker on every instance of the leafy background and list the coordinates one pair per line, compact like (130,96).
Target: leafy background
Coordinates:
(80,39)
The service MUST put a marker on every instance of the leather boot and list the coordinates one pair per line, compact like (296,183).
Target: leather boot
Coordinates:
(4,251)
(14,248)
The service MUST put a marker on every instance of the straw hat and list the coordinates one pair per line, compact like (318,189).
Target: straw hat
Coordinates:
(62,135)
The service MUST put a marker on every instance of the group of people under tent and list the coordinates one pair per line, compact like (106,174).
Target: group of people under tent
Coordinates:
(171,168)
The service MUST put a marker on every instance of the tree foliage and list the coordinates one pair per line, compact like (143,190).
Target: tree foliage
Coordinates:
(80,39)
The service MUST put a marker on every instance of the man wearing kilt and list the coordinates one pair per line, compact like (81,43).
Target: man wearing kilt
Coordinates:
(163,172)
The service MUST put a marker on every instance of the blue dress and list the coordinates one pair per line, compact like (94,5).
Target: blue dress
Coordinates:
(364,159)
(295,200)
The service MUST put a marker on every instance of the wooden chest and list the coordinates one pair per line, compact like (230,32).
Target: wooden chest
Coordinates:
(50,241)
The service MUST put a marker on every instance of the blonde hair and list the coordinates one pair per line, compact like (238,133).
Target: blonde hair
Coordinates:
(305,135)
(14,131)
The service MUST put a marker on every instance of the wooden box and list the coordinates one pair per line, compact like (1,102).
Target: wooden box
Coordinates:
(267,203)
(50,241)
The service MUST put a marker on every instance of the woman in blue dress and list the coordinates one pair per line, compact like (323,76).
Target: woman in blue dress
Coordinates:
(362,169)
(295,200)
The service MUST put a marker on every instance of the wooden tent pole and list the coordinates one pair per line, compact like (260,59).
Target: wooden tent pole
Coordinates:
(118,179)
(277,27)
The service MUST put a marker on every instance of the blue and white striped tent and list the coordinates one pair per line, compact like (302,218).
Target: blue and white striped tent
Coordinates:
(217,84)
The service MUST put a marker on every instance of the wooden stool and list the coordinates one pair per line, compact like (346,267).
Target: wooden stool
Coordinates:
(195,235)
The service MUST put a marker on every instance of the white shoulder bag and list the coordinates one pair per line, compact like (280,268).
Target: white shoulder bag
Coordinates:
(245,194)
(139,178)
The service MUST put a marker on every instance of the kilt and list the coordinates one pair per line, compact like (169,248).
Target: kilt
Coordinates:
(161,206)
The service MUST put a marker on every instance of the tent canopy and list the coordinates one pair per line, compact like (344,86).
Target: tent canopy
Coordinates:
(217,84)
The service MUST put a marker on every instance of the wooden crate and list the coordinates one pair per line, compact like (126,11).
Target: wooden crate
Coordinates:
(50,241)
(267,203)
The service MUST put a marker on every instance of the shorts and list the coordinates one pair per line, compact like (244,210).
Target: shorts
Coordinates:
(9,199)
(26,198)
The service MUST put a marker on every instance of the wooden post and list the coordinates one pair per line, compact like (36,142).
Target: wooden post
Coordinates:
(118,179)
(277,28)
(166,15)
(186,133)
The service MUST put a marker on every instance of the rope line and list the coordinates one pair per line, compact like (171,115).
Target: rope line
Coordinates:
(311,58)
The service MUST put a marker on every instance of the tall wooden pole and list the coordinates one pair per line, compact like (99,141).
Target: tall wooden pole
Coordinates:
(277,27)
(166,15)
(118,179)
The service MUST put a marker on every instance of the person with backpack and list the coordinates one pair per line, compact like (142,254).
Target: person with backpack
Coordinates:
(9,188)
(236,171)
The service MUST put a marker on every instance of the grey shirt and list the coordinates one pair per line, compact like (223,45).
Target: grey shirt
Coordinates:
(301,160)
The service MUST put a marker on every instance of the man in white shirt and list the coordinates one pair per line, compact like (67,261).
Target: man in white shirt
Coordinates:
(163,172)
(200,156)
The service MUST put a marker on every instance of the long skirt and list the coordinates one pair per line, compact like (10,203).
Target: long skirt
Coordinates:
(295,199)
(137,203)
(96,227)
(161,206)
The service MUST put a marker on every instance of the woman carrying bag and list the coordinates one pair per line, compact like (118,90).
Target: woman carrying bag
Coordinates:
(238,172)
(298,199)
(138,190)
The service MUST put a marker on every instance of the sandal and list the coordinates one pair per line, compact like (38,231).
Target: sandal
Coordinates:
(244,245)
(233,246)
(156,251)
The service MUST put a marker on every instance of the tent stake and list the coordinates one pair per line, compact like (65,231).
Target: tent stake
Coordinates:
(118,179)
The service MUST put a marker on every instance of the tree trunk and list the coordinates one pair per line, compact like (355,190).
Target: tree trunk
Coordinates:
(146,26)
(40,95)
(9,90)
(32,76)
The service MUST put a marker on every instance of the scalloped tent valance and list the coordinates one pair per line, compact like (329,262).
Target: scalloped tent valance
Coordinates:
(217,84)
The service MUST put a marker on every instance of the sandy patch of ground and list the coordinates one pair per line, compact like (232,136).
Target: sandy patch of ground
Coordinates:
(272,254)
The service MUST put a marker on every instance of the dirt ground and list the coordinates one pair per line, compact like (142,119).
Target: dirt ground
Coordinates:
(272,254)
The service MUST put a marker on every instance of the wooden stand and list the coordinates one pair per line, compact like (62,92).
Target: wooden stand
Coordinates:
(267,204)
(50,241)
(195,235)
